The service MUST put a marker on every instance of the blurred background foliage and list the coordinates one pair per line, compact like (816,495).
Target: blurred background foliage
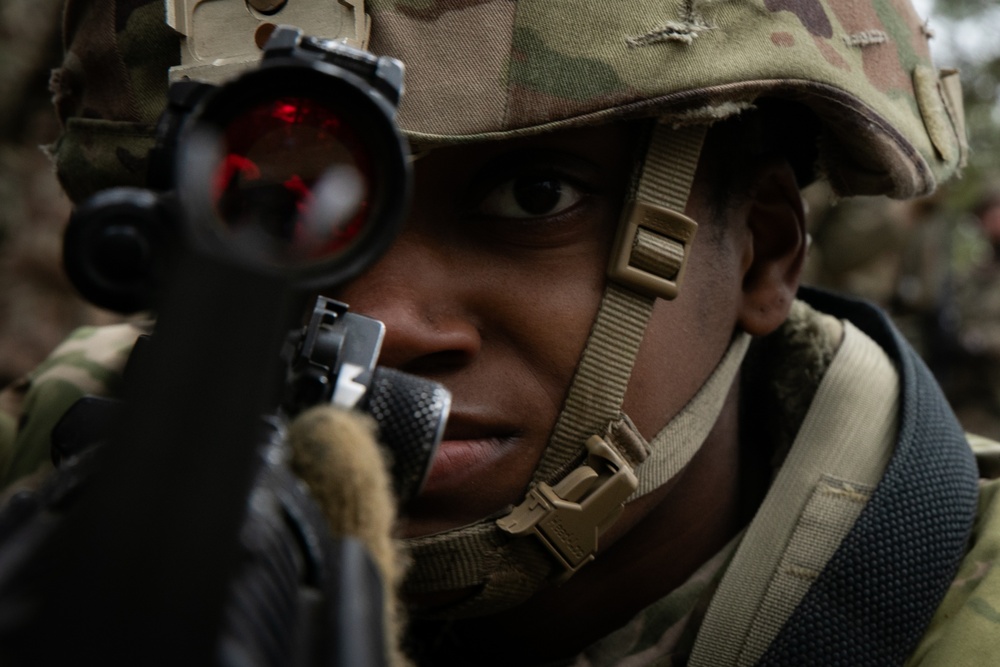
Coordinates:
(967,37)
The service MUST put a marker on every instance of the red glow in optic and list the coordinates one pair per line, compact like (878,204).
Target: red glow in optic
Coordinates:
(302,192)
(287,112)
(232,167)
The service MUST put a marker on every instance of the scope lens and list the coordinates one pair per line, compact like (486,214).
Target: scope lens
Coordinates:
(295,174)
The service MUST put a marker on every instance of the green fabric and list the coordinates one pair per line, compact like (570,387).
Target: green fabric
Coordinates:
(8,432)
(544,62)
(110,91)
(664,632)
(89,362)
(29,452)
(95,154)
(966,628)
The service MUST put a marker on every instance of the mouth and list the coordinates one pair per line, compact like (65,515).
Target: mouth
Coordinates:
(462,459)
(465,476)
(479,468)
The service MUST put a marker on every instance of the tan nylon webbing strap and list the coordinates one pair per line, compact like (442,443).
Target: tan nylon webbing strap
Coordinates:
(595,396)
(673,447)
(671,162)
(848,435)
(480,554)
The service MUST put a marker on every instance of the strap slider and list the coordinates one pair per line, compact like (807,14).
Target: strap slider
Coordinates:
(651,250)
(569,517)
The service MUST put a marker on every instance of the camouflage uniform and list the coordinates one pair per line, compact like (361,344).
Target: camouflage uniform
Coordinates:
(90,362)
(495,69)
(37,307)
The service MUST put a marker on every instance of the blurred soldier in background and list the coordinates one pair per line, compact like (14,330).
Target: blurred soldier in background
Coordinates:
(974,384)
(935,270)
(37,305)
(896,254)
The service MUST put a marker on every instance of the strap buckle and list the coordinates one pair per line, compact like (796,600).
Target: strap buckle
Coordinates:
(651,250)
(569,517)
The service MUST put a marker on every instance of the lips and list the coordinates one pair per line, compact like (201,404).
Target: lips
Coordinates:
(460,460)
(469,476)
(470,449)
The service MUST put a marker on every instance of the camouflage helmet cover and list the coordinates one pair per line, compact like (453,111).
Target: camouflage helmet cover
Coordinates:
(110,91)
(481,69)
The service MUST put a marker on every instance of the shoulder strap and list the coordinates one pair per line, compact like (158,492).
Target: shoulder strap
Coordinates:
(838,457)
(877,595)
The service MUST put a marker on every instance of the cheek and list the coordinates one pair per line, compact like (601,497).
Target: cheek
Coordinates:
(539,315)
(684,341)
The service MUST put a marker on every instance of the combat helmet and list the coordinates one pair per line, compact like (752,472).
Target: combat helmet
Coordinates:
(492,69)
(892,123)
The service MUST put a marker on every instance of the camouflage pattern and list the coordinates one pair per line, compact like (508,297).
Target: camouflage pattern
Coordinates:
(663,633)
(89,362)
(38,308)
(110,92)
(966,628)
(479,69)
(488,69)
(862,66)
(963,630)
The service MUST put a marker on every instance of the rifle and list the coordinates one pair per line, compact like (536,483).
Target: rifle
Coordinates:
(183,537)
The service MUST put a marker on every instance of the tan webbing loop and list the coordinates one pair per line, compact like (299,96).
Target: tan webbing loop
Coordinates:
(652,253)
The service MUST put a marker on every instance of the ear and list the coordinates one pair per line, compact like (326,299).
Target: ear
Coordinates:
(775,248)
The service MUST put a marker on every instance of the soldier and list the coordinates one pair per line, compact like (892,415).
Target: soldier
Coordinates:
(974,387)
(773,474)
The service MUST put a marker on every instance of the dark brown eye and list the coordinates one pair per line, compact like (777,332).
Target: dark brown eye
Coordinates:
(537,196)
(530,196)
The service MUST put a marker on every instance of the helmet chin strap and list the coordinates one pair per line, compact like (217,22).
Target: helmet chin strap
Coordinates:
(595,460)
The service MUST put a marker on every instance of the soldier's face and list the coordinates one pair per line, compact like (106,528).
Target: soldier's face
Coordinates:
(491,290)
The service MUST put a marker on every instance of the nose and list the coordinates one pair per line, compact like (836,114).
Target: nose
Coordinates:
(417,290)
